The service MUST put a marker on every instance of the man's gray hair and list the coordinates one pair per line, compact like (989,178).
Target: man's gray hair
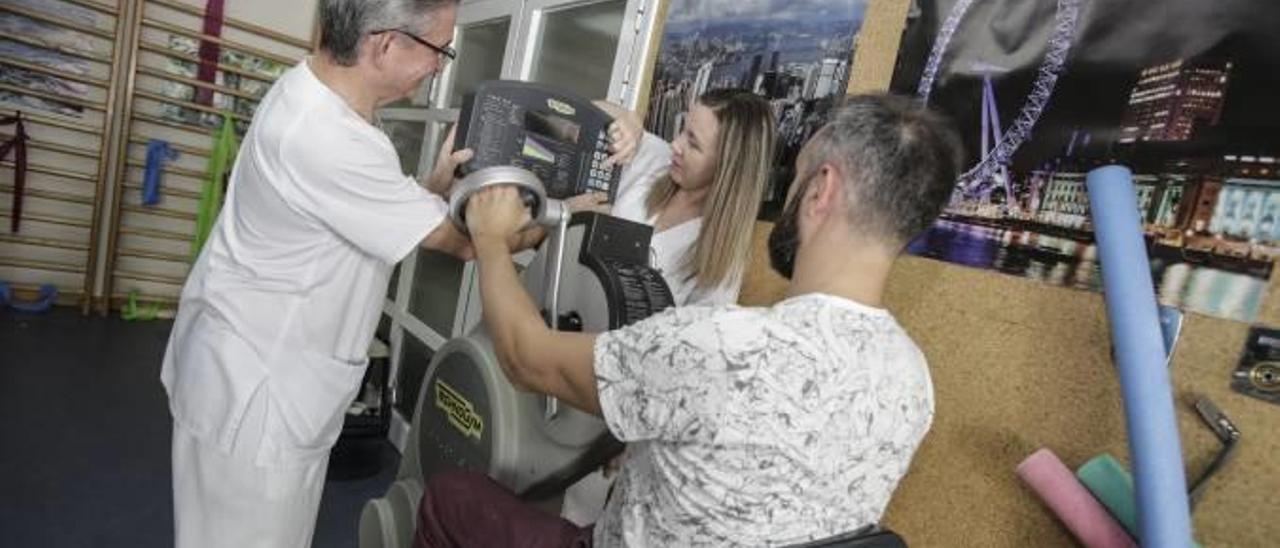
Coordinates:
(899,159)
(344,23)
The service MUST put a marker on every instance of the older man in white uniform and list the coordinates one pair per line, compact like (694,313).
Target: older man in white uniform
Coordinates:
(270,343)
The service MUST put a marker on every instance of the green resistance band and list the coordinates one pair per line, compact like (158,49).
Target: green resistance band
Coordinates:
(133,313)
(220,161)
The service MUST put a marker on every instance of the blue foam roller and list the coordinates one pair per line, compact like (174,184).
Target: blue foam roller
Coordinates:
(1163,511)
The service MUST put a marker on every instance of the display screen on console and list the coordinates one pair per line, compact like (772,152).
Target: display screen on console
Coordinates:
(551,127)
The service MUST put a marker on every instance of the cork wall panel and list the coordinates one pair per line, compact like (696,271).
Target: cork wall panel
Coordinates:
(1018,365)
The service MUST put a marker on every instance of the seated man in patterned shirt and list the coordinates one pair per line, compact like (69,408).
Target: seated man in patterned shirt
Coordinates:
(746,426)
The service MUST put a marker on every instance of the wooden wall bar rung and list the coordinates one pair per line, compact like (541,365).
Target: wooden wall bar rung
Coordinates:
(180,193)
(86,55)
(95,6)
(145,277)
(49,195)
(143,117)
(181,31)
(56,147)
(203,152)
(37,168)
(56,122)
(44,242)
(183,172)
(53,97)
(235,23)
(155,233)
(54,72)
(197,83)
(51,266)
(188,104)
(58,21)
(154,255)
(161,50)
(28,217)
(159,211)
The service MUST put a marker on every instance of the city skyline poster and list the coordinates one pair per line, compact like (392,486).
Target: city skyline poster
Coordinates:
(795,53)
(1044,91)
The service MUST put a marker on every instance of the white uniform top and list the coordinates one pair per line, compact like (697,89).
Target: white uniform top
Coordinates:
(669,247)
(759,426)
(287,292)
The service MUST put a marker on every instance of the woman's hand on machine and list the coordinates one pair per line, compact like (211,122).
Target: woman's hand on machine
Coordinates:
(625,134)
(440,181)
(589,201)
(496,214)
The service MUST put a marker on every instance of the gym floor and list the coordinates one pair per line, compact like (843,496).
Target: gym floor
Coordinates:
(85,438)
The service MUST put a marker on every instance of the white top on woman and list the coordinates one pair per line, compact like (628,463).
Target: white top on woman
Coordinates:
(668,247)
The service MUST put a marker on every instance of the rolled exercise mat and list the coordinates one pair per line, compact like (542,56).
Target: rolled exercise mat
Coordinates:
(1163,512)
(1071,502)
(1112,485)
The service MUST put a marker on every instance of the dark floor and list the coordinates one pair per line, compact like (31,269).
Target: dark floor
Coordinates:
(85,433)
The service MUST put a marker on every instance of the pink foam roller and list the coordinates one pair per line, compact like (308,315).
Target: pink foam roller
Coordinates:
(1072,502)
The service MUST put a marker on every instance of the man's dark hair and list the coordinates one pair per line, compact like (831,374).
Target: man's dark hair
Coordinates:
(900,161)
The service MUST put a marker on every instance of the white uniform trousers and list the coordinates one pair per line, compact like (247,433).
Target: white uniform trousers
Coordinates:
(229,501)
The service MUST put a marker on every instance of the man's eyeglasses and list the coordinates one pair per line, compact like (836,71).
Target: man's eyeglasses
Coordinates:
(446,51)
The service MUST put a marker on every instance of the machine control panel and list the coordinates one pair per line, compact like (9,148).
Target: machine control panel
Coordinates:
(560,137)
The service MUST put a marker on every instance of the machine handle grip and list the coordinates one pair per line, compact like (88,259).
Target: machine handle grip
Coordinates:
(544,211)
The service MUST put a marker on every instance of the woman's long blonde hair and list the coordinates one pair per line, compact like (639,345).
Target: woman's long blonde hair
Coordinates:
(744,150)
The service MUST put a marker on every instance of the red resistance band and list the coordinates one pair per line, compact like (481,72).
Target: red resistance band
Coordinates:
(210,52)
(18,144)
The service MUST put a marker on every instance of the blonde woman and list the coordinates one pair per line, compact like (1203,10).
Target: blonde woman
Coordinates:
(701,193)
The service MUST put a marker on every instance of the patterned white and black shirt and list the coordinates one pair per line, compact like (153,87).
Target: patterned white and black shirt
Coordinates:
(759,426)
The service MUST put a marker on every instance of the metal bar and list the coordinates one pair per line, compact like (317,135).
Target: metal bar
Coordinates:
(188,104)
(181,31)
(197,83)
(54,20)
(235,23)
(43,242)
(54,72)
(53,97)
